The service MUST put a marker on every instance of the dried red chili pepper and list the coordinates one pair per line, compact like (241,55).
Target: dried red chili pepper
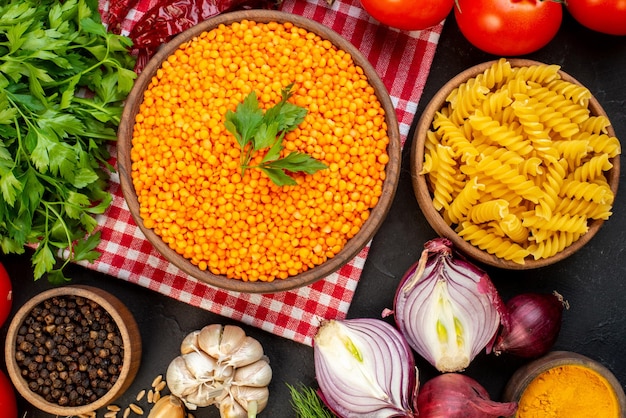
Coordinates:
(169,18)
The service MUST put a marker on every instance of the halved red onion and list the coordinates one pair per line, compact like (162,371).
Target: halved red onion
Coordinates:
(364,367)
(447,308)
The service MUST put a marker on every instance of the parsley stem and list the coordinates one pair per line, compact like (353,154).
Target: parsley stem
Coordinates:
(102,108)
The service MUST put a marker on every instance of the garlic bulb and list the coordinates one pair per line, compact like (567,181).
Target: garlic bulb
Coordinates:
(220,365)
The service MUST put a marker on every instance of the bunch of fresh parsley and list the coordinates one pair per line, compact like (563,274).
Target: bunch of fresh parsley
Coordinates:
(63,80)
(256,130)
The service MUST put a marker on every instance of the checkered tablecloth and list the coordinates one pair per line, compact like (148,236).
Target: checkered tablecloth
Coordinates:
(402,60)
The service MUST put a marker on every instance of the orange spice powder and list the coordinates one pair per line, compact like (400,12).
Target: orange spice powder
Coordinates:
(568,391)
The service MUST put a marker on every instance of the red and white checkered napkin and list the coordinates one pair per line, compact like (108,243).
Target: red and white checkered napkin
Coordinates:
(403,61)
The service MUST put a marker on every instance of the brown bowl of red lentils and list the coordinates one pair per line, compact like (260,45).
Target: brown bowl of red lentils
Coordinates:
(72,350)
(233,194)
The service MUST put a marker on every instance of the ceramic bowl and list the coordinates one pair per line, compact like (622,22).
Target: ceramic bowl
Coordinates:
(601,375)
(124,322)
(353,246)
(424,192)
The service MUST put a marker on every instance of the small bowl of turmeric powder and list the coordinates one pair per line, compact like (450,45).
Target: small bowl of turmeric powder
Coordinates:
(259,151)
(566,384)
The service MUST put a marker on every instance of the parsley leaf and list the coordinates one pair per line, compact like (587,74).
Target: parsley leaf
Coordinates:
(256,130)
(298,161)
(245,121)
(53,137)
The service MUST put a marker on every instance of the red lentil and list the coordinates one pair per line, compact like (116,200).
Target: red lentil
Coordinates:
(186,165)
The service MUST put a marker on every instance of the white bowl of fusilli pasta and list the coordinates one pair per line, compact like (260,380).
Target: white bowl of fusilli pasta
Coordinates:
(516,163)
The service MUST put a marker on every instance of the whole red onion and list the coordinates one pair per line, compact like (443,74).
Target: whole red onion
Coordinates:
(454,395)
(534,324)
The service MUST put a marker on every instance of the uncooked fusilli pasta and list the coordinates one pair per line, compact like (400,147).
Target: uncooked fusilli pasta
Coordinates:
(517,163)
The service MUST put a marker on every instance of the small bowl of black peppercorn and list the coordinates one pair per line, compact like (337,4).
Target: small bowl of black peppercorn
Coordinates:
(72,350)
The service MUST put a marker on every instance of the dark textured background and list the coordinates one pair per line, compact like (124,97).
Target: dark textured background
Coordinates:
(593,280)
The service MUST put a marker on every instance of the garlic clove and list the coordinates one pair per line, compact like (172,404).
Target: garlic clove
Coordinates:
(190,343)
(249,351)
(179,379)
(233,338)
(251,398)
(229,408)
(209,339)
(200,365)
(221,341)
(257,374)
(169,406)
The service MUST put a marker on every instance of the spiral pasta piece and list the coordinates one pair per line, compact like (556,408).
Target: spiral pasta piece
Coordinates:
(452,136)
(516,86)
(512,226)
(573,151)
(593,168)
(595,125)
(531,166)
(575,92)
(552,245)
(543,95)
(591,210)
(598,193)
(464,201)
(496,74)
(551,183)
(490,210)
(535,131)
(493,244)
(510,177)
(497,104)
(573,111)
(506,156)
(557,222)
(465,99)
(604,144)
(556,121)
(499,134)
(537,73)
(495,189)
(443,179)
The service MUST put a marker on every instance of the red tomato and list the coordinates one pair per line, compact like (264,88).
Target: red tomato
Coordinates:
(408,14)
(606,16)
(6,295)
(508,27)
(8,402)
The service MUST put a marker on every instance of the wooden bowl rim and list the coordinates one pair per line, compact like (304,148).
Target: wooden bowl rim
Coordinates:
(424,199)
(131,338)
(522,377)
(353,246)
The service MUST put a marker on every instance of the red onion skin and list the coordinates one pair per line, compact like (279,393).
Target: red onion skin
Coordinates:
(454,395)
(534,324)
